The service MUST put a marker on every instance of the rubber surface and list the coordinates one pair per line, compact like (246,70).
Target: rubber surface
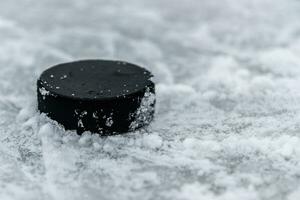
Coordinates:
(100,96)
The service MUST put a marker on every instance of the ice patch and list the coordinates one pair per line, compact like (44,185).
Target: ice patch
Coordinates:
(109,122)
(44,92)
(144,113)
(152,141)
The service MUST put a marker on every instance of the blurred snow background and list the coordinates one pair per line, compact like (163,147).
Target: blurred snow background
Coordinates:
(228,110)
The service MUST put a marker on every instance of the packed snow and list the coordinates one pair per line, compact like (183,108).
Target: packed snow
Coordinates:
(227,121)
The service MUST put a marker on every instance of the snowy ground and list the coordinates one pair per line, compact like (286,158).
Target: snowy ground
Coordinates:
(227,124)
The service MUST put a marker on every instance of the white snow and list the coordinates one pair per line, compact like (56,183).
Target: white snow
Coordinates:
(228,102)
(144,114)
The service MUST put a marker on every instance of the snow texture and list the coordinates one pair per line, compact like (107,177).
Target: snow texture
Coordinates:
(228,101)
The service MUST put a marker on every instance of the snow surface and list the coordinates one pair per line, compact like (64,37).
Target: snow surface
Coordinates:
(228,102)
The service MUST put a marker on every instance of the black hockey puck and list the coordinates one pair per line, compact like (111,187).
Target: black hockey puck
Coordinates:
(105,97)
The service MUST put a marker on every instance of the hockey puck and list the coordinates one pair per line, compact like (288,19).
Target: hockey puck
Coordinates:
(100,96)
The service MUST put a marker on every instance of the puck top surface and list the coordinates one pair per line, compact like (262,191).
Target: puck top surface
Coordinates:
(95,79)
